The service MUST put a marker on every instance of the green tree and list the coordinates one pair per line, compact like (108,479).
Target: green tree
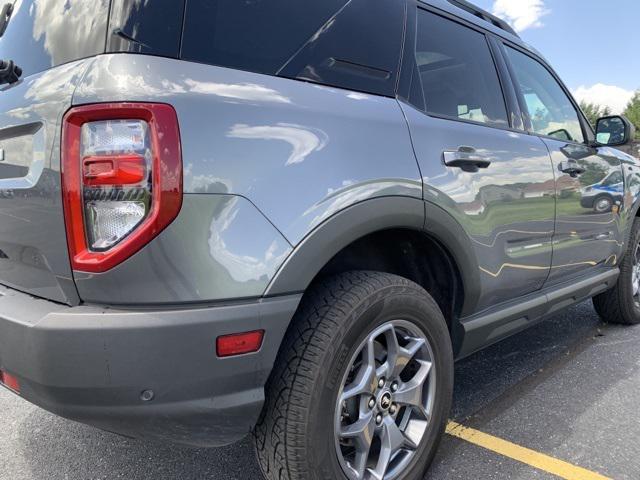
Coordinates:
(633,112)
(593,111)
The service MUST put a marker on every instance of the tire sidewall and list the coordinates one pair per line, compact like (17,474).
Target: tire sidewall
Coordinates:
(394,303)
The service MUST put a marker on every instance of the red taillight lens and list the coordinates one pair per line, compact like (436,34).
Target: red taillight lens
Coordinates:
(239,343)
(122,180)
(114,170)
(9,381)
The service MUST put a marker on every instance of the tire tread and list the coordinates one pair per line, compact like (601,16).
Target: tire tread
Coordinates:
(280,438)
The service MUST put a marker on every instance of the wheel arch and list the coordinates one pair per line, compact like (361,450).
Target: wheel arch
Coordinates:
(357,238)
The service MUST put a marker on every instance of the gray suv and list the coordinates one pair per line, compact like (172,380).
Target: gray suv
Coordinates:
(290,218)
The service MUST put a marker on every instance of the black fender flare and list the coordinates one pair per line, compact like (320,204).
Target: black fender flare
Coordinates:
(318,247)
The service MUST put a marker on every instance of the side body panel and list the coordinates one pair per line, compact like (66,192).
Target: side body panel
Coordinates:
(33,245)
(507,211)
(589,228)
(298,152)
(589,232)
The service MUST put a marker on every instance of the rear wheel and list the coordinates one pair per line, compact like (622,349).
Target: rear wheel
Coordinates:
(362,387)
(621,304)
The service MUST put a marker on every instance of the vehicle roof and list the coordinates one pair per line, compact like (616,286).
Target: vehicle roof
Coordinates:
(447,6)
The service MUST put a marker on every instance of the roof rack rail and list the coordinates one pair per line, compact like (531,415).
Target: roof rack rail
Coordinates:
(484,15)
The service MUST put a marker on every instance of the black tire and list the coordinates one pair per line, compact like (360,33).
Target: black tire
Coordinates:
(602,209)
(294,438)
(618,305)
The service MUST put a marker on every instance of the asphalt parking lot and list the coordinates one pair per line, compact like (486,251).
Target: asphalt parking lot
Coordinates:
(569,389)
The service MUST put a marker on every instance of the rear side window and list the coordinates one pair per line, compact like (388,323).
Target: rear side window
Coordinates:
(550,109)
(254,35)
(45,33)
(457,73)
(358,50)
(152,27)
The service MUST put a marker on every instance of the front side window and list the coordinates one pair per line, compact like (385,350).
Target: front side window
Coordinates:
(457,73)
(550,109)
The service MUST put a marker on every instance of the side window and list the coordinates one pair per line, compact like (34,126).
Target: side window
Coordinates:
(254,35)
(359,50)
(613,179)
(156,27)
(457,72)
(551,111)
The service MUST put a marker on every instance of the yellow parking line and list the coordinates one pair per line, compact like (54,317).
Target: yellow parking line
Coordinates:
(524,455)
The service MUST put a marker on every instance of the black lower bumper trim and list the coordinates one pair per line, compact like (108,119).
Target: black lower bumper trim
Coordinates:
(92,365)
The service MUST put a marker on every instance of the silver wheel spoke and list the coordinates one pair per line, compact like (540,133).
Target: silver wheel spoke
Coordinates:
(398,357)
(410,394)
(362,433)
(392,440)
(406,354)
(365,381)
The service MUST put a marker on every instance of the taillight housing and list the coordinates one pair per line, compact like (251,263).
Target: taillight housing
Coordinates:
(121,180)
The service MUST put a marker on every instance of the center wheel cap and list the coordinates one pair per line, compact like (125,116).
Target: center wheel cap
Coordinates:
(385,401)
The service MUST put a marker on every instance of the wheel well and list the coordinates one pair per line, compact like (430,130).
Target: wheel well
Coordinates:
(410,254)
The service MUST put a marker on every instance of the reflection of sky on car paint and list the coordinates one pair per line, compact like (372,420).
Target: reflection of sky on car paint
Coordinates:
(232,248)
(53,32)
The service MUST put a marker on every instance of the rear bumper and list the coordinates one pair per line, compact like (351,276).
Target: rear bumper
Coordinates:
(91,365)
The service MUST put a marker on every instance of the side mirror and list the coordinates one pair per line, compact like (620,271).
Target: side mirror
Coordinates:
(614,131)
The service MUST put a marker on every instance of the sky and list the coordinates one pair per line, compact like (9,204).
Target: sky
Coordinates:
(590,43)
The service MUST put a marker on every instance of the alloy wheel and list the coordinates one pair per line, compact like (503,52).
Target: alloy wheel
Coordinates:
(385,403)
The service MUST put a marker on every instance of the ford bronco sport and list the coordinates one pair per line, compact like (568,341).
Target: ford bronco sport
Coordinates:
(289,218)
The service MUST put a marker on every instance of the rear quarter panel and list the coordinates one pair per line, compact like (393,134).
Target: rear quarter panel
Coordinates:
(33,245)
(296,153)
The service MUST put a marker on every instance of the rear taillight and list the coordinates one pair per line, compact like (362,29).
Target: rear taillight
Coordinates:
(122,180)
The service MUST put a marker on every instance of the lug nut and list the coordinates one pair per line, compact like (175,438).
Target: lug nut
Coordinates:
(381,382)
(393,409)
(394,387)
(378,419)
(372,403)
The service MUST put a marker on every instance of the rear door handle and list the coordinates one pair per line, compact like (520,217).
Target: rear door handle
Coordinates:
(466,159)
(572,168)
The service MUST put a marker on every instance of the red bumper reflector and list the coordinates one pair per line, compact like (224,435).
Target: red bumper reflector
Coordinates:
(239,343)
(10,381)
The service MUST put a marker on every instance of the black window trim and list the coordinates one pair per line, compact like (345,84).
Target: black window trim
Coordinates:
(587,129)
(403,49)
(509,90)
(512,109)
